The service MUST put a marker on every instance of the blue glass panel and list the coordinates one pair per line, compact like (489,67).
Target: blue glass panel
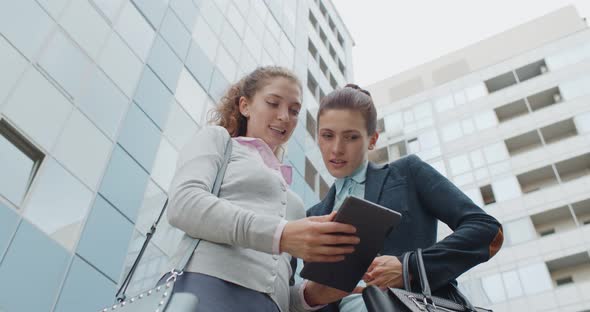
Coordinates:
(25,24)
(153,97)
(105,238)
(65,63)
(124,183)
(140,137)
(186,11)
(298,185)
(309,197)
(219,85)
(32,271)
(296,155)
(199,65)
(85,289)
(8,223)
(165,63)
(174,32)
(16,168)
(103,102)
(154,10)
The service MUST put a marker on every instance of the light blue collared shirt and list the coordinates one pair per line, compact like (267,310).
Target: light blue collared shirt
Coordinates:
(352,185)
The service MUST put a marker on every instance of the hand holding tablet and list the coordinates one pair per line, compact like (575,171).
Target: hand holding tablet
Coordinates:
(373,223)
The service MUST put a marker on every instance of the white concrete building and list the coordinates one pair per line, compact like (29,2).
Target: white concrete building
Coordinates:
(508,121)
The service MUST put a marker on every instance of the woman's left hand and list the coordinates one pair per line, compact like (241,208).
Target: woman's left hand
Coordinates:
(385,271)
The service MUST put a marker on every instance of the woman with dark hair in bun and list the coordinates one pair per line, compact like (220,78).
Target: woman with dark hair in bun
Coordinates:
(347,122)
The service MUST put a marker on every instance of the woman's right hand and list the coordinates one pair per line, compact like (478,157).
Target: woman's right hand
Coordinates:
(318,239)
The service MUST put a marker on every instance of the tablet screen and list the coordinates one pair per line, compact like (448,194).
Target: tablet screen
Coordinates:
(373,223)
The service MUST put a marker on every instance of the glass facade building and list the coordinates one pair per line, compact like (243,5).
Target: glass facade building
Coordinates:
(508,121)
(96,99)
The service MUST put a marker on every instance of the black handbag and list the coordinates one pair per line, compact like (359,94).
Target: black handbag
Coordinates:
(404,300)
(162,298)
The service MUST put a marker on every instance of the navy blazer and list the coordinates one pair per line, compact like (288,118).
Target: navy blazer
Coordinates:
(423,196)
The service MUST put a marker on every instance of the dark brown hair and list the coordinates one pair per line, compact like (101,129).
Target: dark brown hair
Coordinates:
(227,113)
(354,98)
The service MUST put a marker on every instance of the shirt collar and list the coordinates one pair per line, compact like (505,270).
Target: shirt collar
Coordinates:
(269,158)
(359,176)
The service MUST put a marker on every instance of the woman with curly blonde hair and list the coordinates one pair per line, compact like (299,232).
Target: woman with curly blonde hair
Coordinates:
(251,231)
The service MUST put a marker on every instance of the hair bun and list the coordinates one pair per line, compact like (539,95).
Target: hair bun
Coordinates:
(356,87)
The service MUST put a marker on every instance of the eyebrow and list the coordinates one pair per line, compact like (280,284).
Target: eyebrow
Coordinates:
(345,131)
(280,97)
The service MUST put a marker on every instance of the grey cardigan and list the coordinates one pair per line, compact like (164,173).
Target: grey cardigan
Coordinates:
(237,227)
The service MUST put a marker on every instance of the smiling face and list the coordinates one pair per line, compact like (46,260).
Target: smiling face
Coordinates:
(343,140)
(273,111)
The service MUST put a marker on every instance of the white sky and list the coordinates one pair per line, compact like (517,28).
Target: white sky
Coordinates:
(394,35)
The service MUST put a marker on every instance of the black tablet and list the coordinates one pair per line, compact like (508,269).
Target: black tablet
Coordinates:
(373,223)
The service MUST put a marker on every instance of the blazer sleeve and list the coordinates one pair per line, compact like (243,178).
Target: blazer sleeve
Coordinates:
(476,235)
(193,209)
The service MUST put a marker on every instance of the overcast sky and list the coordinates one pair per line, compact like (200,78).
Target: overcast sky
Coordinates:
(394,35)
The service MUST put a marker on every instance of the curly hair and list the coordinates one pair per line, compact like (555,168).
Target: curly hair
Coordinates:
(354,98)
(227,113)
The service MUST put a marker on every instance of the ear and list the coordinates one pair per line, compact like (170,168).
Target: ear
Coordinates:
(243,106)
(373,140)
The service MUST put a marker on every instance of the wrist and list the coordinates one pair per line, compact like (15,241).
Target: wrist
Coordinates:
(308,294)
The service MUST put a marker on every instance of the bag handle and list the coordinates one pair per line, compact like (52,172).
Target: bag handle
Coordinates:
(179,268)
(424,284)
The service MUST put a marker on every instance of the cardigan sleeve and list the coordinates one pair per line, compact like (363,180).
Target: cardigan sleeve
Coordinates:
(476,235)
(200,214)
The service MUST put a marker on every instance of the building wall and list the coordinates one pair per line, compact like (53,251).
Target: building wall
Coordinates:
(96,100)
(513,135)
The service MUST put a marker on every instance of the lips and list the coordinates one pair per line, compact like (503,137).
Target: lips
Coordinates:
(338,163)
(278,130)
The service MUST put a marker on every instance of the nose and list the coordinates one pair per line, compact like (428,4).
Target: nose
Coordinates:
(338,147)
(283,114)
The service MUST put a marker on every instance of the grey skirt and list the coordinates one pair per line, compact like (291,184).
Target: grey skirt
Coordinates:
(217,295)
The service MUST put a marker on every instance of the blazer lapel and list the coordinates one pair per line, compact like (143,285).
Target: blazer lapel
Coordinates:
(376,176)
(328,202)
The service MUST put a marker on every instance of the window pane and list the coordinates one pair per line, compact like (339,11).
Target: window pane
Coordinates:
(103,102)
(485,120)
(493,288)
(232,41)
(191,96)
(57,215)
(477,158)
(119,62)
(165,63)
(519,231)
(36,94)
(198,63)
(98,238)
(582,123)
(65,63)
(512,284)
(12,64)
(186,11)
(452,132)
(459,164)
(165,164)
(83,149)
(9,220)
(443,103)
(227,66)
(475,92)
(109,8)
(154,10)
(535,278)
(140,137)
(25,25)
(153,97)
(394,123)
(507,188)
(135,30)
(208,39)
(86,26)
(218,85)
(16,169)
(124,183)
(496,152)
(180,126)
(174,32)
